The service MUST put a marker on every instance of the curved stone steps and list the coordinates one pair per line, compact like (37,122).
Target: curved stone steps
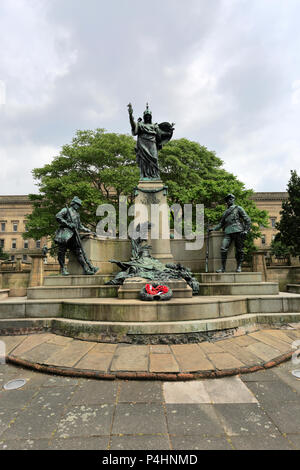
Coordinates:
(182,309)
(120,331)
(89,330)
(195,308)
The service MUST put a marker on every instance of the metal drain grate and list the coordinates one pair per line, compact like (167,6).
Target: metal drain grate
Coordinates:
(14,384)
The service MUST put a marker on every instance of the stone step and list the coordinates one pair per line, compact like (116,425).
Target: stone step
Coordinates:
(90,330)
(293,288)
(228,277)
(22,308)
(4,293)
(132,287)
(196,308)
(71,292)
(230,288)
(121,331)
(135,294)
(117,310)
(78,280)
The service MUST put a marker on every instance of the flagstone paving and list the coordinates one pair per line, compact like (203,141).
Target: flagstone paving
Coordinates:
(260,410)
(237,354)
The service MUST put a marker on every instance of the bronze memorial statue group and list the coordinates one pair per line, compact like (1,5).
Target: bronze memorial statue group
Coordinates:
(235,223)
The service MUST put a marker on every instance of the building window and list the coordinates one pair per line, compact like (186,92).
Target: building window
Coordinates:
(3,226)
(26,244)
(15,227)
(24,257)
(273,222)
(2,243)
(14,243)
(263,239)
(12,257)
(38,244)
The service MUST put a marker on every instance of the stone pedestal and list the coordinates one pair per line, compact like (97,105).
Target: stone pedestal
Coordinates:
(259,263)
(36,278)
(132,287)
(214,241)
(99,252)
(152,195)
(19,263)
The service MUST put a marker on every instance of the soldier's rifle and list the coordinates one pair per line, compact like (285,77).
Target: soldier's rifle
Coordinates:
(78,240)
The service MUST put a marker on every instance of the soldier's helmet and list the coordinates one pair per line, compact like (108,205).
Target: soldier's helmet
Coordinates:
(76,200)
(147,111)
(229,196)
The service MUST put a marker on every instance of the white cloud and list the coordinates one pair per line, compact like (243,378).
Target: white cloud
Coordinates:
(226,71)
(33,53)
(15,172)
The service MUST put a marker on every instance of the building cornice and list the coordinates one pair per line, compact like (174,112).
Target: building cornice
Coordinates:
(269,196)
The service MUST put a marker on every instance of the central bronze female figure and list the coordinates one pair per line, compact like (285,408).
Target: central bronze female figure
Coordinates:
(151,138)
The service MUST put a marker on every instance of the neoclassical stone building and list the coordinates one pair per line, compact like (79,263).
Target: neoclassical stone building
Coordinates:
(13,213)
(272,203)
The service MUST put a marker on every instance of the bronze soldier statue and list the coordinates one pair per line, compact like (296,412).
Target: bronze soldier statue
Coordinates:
(236,224)
(67,237)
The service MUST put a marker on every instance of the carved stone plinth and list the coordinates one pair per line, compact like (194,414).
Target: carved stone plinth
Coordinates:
(214,239)
(132,287)
(152,195)
(37,270)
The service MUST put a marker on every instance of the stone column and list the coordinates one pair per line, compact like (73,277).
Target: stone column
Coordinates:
(153,195)
(36,278)
(19,263)
(259,264)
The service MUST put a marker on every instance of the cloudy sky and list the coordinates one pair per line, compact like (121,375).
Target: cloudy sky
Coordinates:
(227,72)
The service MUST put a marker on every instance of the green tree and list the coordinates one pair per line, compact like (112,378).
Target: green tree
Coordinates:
(99,167)
(3,256)
(289,224)
(195,174)
(279,249)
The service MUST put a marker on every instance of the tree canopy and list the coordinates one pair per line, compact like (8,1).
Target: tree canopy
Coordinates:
(3,256)
(289,224)
(99,166)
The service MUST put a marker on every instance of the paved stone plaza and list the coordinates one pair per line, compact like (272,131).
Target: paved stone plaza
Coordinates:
(260,410)
(254,410)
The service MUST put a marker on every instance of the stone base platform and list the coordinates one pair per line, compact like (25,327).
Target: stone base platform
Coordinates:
(293,288)
(247,351)
(211,284)
(83,307)
(118,320)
